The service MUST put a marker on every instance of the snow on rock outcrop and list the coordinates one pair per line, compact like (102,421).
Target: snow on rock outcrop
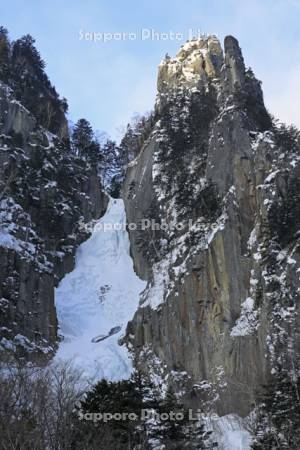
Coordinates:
(247,323)
(96,300)
(196,60)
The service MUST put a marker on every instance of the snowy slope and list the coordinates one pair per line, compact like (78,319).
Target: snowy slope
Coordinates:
(101,293)
(230,432)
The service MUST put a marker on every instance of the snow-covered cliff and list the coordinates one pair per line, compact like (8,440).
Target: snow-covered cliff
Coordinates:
(221,305)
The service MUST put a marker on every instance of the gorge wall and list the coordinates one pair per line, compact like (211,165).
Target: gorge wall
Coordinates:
(46,192)
(220,311)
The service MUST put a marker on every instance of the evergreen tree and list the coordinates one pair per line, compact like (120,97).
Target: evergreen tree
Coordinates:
(284,213)
(28,71)
(4,55)
(121,397)
(82,137)
(85,144)
(145,390)
(129,145)
(175,430)
(115,186)
(134,137)
(31,85)
(149,240)
(278,424)
(185,122)
(112,165)
(287,138)
(26,56)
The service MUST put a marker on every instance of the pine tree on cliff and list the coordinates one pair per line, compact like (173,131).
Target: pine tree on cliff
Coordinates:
(284,213)
(129,145)
(25,52)
(4,55)
(28,71)
(287,137)
(134,137)
(32,87)
(278,424)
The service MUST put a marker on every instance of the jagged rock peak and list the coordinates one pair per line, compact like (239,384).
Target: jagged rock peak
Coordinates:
(232,48)
(203,64)
(234,62)
(197,61)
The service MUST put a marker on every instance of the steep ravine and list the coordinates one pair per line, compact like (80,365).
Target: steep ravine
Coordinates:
(94,303)
(206,299)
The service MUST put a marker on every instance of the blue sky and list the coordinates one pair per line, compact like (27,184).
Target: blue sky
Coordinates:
(108,83)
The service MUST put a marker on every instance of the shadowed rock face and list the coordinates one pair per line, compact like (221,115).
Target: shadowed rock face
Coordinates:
(222,294)
(45,192)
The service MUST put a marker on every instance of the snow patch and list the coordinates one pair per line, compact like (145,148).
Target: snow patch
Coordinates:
(252,239)
(247,323)
(9,241)
(230,432)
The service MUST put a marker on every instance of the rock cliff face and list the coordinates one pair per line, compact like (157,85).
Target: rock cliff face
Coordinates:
(220,312)
(45,193)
